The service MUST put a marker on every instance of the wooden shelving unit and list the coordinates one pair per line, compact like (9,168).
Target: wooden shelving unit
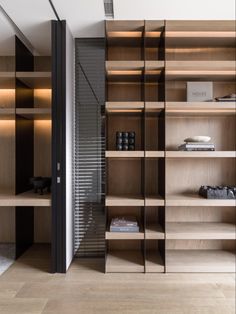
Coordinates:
(147,68)
(25,141)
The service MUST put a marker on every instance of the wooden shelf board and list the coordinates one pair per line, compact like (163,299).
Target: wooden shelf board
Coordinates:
(200,39)
(154,262)
(115,106)
(200,230)
(35,79)
(152,34)
(196,200)
(124,235)
(200,108)
(201,154)
(154,65)
(124,201)
(213,70)
(124,66)
(154,154)
(204,66)
(154,200)
(200,261)
(154,105)
(153,231)
(7,80)
(124,154)
(7,113)
(25,199)
(124,261)
(35,113)
(124,34)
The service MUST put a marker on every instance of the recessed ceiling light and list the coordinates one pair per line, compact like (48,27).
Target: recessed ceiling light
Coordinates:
(109,9)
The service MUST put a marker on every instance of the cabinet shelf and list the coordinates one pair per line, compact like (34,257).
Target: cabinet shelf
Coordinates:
(115,106)
(196,200)
(200,38)
(201,154)
(154,231)
(35,79)
(154,200)
(124,154)
(210,70)
(200,230)
(7,113)
(25,199)
(154,154)
(124,261)
(124,201)
(200,108)
(34,113)
(200,261)
(154,262)
(7,80)
(124,235)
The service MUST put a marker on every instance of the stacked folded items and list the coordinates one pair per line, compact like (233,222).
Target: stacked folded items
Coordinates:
(200,146)
(226,98)
(124,224)
(197,143)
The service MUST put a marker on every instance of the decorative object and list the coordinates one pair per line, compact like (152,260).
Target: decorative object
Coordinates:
(125,140)
(218,192)
(198,138)
(227,98)
(40,184)
(199,91)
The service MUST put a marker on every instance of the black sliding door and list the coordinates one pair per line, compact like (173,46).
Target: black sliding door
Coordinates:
(58,147)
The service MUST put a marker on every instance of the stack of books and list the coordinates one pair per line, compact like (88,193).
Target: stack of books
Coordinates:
(231,97)
(197,146)
(124,224)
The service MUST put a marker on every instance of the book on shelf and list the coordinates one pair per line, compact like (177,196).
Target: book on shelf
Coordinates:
(197,146)
(124,224)
(124,229)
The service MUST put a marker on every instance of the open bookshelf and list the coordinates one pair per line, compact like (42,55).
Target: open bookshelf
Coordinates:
(148,66)
(25,141)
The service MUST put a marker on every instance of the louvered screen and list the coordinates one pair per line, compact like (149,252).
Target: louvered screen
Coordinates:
(89,160)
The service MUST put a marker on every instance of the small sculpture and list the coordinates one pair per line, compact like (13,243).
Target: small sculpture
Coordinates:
(41,183)
(218,192)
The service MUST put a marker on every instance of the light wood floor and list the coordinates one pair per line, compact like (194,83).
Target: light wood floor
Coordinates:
(26,287)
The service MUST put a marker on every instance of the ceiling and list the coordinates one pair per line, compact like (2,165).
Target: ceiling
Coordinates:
(85,17)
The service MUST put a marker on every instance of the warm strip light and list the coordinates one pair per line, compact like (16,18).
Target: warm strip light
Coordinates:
(153,72)
(124,110)
(153,34)
(124,34)
(207,34)
(193,72)
(133,72)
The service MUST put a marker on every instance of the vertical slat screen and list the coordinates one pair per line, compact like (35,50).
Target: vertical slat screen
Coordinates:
(89,162)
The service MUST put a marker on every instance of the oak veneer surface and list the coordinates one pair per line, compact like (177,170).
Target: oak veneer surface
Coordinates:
(27,287)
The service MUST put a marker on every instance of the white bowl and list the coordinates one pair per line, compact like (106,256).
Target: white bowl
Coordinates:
(198,138)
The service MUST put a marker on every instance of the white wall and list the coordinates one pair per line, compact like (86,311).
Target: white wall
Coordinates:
(69,145)
(175,9)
